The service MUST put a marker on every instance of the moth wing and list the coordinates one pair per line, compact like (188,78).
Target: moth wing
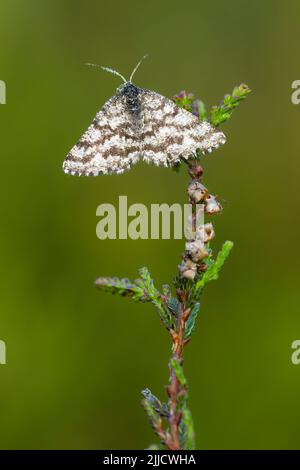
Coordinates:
(170,133)
(109,146)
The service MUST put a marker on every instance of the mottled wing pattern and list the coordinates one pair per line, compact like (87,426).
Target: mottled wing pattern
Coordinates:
(170,133)
(110,145)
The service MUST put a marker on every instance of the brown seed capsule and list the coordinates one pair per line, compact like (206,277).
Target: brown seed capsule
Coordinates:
(197,250)
(197,192)
(205,232)
(189,274)
(188,269)
(212,206)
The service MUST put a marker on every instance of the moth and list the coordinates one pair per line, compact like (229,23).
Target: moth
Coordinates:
(139,124)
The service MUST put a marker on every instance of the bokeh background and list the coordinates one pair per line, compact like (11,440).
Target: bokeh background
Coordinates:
(77,359)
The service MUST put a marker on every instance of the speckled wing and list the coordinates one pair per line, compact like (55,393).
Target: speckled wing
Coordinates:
(110,144)
(170,133)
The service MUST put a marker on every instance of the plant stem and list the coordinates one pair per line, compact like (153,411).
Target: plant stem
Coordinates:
(174,389)
(176,392)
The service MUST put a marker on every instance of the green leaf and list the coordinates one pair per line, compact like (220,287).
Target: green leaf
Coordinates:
(152,399)
(191,321)
(166,290)
(154,296)
(178,371)
(174,306)
(152,407)
(142,289)
(202,111)
(184,100)
(186,430)
(212,271)
(223,112)
(123,287)
(218,114)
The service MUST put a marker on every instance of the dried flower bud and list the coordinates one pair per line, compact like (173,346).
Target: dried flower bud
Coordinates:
(189,274)
(197,250)
(188,269)
(202,267)
(205,232)
(181,95)
(212,206)
(195,170)
(197,192)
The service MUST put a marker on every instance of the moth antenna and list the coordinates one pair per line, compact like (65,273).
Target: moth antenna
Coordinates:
(108,69)
(137,66)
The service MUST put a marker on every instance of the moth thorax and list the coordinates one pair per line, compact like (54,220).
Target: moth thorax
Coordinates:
(131,94)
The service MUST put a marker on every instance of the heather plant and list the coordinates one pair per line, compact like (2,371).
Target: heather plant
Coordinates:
(178,306)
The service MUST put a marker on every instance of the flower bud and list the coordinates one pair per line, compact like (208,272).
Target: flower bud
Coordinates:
(197,192)
(212,206)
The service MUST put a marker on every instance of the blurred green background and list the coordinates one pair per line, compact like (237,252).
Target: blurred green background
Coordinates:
(77,359)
